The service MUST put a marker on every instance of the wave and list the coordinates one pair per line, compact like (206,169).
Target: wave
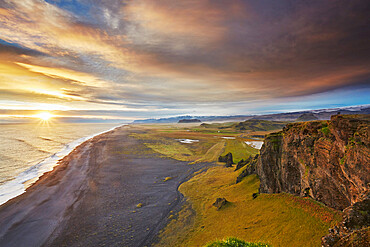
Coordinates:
(18,186)
(50,140)
(31,146)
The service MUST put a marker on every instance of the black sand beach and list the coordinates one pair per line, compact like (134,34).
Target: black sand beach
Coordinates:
(91,198)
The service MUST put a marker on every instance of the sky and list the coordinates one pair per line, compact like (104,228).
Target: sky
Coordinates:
(126,60)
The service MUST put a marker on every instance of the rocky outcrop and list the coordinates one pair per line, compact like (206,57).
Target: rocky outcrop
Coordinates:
(251,168)
(219,203)
(307,117)
(243,162)
(228,159)
(354,230)
(327,160)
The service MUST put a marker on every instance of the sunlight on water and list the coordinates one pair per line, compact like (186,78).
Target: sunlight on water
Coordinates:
(29,150)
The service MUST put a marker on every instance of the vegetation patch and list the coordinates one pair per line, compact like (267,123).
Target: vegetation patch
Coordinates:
(248,125)
(239,149)
(167,178)
(173,150)
(213,153)
(275,219)
(325,131)
(234,242)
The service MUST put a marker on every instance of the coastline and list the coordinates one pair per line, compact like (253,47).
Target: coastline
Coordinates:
(27,178)
(90,198)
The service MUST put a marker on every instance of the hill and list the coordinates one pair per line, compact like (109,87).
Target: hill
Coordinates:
(307,117)
(322,114)
(248,125)
(327,161)
(189,120)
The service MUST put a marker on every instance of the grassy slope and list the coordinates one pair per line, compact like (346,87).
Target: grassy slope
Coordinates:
(234,242)
(239,149)
(163,140)
(248,125)
(277,219)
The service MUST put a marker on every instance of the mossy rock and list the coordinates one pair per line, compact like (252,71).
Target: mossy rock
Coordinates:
(234,242)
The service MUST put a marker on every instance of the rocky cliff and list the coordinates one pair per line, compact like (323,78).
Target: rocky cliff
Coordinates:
(327,160)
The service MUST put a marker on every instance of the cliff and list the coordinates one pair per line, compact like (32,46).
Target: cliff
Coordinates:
(327,160)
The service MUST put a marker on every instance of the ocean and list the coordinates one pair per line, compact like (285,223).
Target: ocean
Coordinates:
(29,150)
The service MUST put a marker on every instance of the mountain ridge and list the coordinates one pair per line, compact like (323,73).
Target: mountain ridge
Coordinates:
(321,114)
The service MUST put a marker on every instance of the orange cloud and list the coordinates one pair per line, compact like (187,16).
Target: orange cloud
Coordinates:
(78,77)
(181,51)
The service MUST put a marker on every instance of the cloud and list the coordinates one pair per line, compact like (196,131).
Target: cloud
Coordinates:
(78,77)
(117,53)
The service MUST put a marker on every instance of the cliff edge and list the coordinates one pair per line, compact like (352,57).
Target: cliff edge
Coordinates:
(327,160)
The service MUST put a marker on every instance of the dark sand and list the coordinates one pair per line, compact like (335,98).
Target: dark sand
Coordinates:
(90,198)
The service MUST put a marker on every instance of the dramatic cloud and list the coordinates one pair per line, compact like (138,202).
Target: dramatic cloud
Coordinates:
(180,55)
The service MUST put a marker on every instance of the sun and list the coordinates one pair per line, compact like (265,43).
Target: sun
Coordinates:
(44,116)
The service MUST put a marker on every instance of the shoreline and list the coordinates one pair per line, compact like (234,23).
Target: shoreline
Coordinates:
(17,186)
(90,198)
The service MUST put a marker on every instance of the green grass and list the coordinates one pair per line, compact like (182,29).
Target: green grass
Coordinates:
(213,153)
(234,242)
(173,150)
(248,125)
(325,130)
(239,149)
(163,141)
(275,219)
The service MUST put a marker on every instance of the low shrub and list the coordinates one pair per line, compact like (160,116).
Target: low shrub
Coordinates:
(234,242)
(325,131)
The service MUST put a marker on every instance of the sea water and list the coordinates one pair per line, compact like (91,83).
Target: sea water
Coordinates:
(29,150)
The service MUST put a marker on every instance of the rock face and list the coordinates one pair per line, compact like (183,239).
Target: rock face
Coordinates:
(243,163)
(354,230)
(228,158)
(219,203)
(251,167)
(327,160)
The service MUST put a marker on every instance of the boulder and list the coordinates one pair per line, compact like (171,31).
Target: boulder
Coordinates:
(249,169)
(228,159)
(354,230)
(243,163)
(219,203)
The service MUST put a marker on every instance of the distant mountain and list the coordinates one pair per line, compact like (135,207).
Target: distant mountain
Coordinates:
(321,114)
(248,125)
(307,117)
(235,118)
(192,120)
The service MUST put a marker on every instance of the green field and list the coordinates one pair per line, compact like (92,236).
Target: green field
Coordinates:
(273,219)
(163,139)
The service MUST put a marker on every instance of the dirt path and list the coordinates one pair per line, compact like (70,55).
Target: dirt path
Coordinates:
(91,198)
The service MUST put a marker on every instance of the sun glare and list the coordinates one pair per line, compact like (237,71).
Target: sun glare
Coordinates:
(44,116)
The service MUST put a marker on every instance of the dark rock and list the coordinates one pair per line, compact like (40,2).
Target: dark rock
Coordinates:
(243,163)
(189,121)
(306,192)
(249,169)
(255,195)
(219,203)
(329,157)
(228,159)
(354,230)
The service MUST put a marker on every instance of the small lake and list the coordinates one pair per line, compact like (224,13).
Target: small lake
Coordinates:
(255,144)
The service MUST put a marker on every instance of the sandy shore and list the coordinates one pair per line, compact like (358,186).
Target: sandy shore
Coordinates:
(91,198)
